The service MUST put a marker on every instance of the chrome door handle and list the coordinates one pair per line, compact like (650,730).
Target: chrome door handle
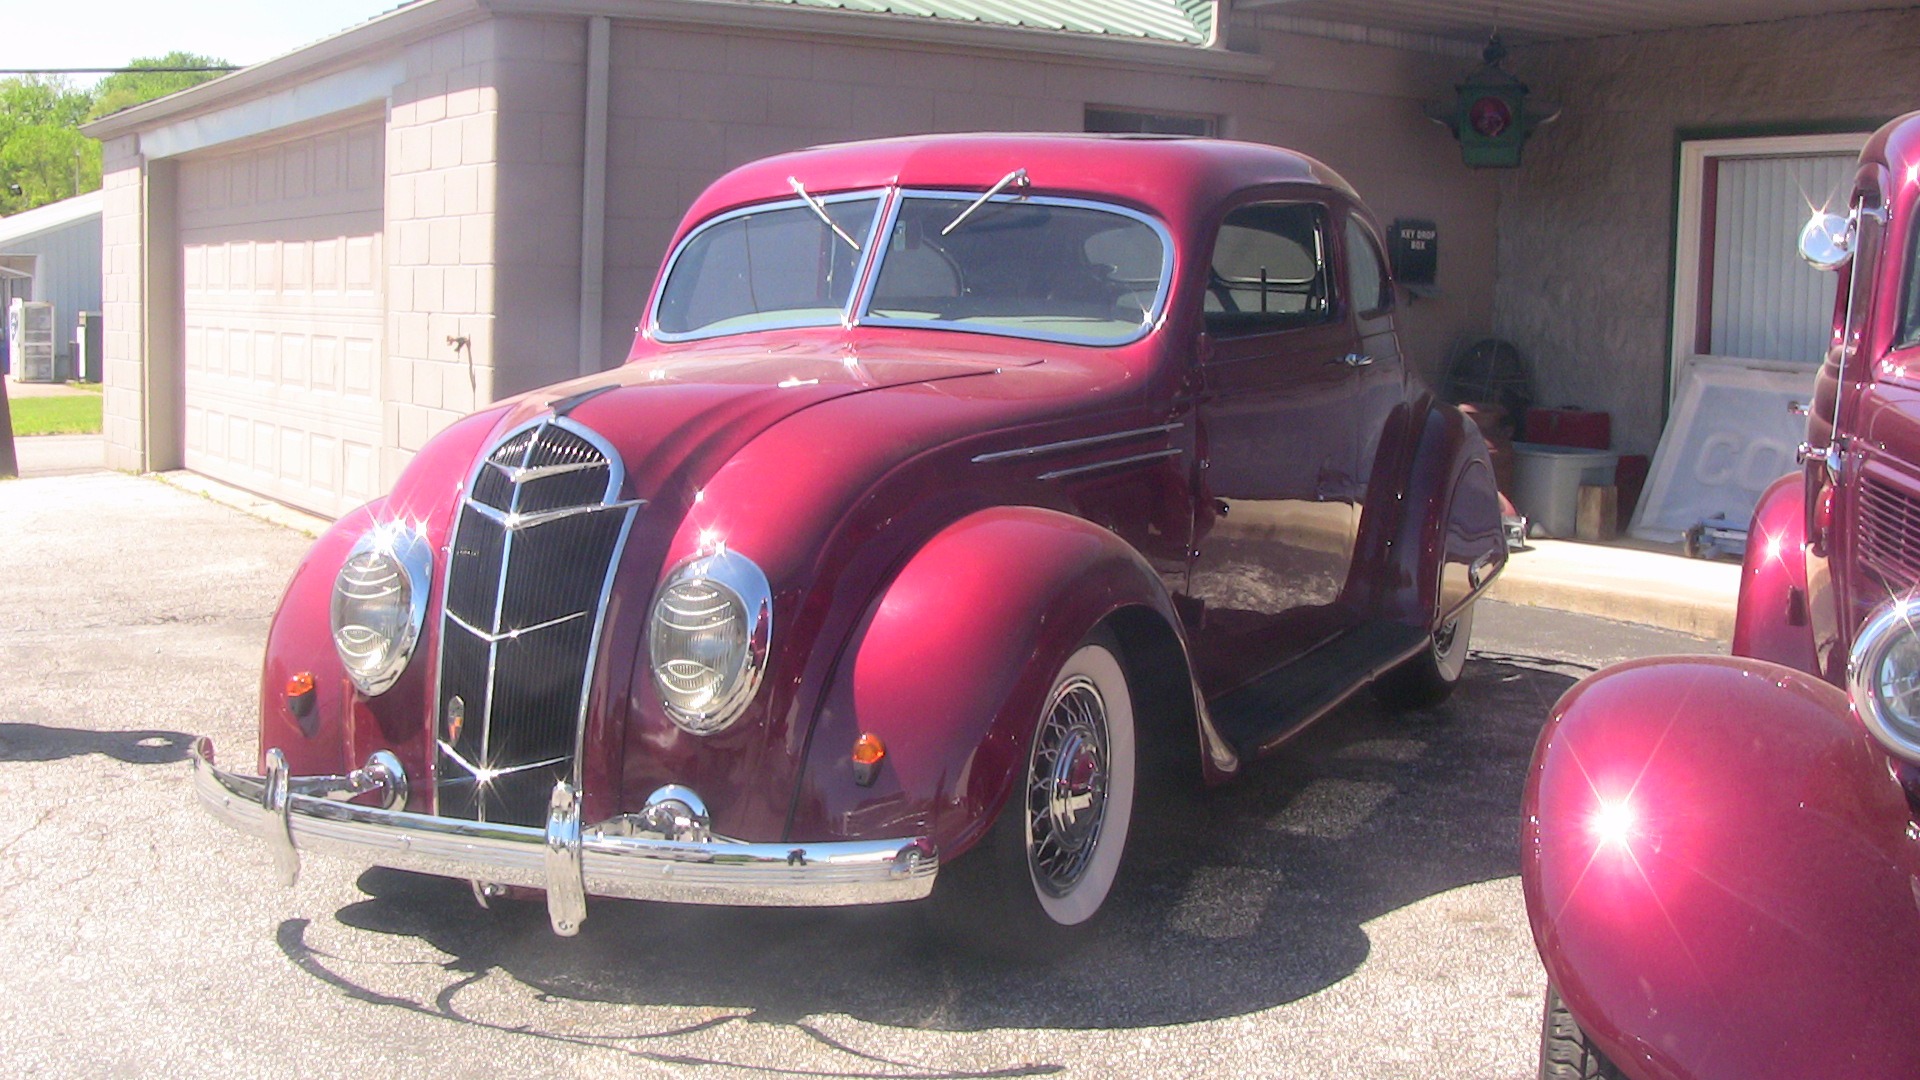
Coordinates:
(1353,359)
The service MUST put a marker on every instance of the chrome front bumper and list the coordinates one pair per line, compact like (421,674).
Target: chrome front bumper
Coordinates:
(295,814)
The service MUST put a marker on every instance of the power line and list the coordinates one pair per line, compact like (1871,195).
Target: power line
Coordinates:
(118,70)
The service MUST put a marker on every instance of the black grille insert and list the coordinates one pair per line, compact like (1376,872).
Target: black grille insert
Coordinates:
(1889,534)
(532,554)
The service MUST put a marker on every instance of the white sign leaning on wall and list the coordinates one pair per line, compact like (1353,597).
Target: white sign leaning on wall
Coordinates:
(1733,431)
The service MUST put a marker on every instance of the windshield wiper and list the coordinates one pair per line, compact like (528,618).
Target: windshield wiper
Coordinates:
(818,208)
(1017,176)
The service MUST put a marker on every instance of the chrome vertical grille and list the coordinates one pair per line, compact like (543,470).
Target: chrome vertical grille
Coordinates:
(532,557)
(1889,534)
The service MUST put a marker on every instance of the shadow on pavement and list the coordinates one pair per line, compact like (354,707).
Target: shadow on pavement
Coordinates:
(1233,901)
(36,742)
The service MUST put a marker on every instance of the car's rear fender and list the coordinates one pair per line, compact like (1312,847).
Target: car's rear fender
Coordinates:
(951,666)
(1430,541)
(1720,871)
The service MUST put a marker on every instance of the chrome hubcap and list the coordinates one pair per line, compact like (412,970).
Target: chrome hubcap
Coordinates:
(1443,638)
(1067,786)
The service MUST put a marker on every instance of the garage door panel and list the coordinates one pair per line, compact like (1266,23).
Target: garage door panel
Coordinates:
(284,301)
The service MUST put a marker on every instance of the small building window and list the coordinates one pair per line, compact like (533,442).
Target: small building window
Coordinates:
(1111,121)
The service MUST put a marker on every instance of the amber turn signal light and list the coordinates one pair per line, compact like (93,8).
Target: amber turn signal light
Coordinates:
(868,753)
(300,697)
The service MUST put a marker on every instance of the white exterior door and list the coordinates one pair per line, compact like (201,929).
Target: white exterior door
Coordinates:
(284,303)
(1750,324)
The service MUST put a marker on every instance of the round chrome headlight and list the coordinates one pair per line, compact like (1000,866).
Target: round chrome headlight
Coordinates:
(1883,673)
(379,604)
(708,641)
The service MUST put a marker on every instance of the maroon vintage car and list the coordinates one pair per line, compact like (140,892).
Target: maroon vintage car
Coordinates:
(1721,856)
(948,480)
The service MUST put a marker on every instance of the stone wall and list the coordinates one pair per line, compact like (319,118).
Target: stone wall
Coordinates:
(1585,225)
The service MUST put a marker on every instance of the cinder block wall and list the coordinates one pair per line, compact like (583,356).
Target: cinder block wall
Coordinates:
(123,411)
(1586,246)
(442,279)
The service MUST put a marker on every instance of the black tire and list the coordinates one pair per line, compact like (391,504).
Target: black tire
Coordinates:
(1040,879)
(1565,1052)
(1428,679)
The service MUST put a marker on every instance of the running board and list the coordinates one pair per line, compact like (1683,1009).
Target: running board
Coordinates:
(1260,716)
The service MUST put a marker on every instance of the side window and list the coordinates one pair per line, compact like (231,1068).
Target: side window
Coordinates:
(1269,269)
(1366,275)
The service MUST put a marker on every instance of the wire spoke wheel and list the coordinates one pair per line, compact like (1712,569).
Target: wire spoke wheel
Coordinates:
(1078,800)
(1067,786)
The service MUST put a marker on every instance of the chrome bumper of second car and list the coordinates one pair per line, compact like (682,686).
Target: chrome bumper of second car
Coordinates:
(569,861)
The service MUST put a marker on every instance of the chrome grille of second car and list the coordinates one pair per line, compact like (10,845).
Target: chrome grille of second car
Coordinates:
(532,553)
(1889,535)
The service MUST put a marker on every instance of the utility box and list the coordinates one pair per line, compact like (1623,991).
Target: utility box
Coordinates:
(88,335)
(30,341)
(1547,482)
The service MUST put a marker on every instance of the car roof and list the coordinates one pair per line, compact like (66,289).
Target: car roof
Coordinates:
(1173,177)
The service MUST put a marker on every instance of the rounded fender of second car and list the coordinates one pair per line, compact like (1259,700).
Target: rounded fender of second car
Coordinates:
(950,669)
(1775,617)
(1720,872)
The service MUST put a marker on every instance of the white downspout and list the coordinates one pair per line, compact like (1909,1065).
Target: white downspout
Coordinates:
(593,195)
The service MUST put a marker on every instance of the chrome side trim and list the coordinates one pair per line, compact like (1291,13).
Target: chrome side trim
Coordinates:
(1075,444)
(1079,470)
(718,871)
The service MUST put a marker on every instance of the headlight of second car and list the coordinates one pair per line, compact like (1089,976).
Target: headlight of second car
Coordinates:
(379,604)
(708,641)
(1883,673)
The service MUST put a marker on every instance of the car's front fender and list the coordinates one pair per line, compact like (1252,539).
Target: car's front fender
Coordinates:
(952,664)
(1721,871)
(1774,619)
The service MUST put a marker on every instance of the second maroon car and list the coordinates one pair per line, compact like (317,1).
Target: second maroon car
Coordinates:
(947,476)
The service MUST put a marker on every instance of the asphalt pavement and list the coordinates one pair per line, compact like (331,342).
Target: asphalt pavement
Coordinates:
(1347,909)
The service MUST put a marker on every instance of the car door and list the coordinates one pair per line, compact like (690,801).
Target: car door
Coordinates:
(1275,512)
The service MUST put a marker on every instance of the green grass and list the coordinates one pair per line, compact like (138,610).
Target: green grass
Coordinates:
(78,415)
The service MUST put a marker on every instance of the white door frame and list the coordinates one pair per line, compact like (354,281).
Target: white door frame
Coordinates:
(1695,154)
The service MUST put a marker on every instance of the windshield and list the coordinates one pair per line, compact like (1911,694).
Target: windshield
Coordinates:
(1032,267)
(1054,269)
(787,264)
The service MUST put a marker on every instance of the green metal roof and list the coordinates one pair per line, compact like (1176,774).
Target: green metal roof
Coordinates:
(1188,22)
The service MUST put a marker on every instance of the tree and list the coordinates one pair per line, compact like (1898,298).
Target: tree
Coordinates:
(126,89)
(43,156)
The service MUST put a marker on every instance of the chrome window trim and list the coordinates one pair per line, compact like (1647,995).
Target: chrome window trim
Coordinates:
(610,500)
(863,315)
(862,260)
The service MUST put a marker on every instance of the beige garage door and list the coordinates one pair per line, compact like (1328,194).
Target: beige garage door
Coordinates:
(283,293)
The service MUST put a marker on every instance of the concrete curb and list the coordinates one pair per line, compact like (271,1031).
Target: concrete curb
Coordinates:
(245,501)
(1692,596)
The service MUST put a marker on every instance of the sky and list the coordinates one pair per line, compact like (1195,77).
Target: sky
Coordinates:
(108,33)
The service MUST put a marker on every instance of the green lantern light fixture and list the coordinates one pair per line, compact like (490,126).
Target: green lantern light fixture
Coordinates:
(1490,114)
